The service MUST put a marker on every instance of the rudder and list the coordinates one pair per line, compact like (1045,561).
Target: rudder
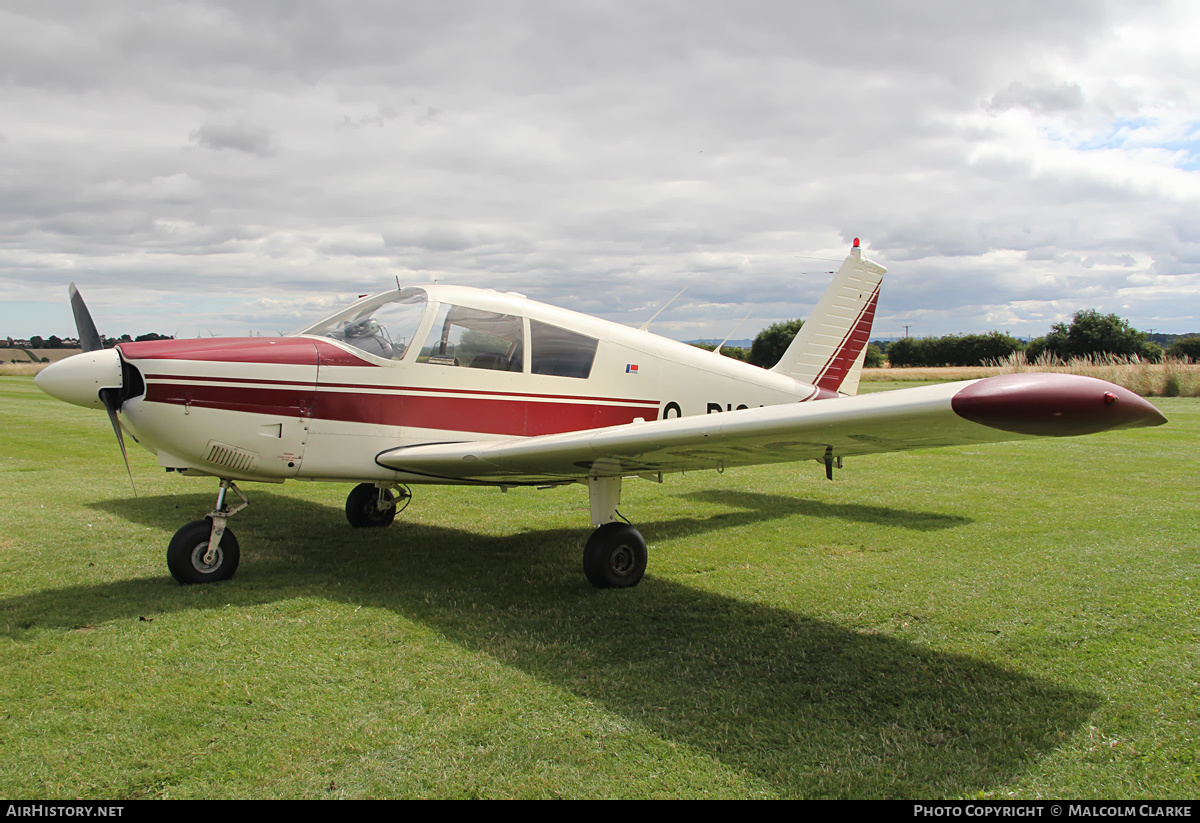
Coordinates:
(829,349)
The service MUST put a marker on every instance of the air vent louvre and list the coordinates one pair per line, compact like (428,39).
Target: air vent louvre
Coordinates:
(231,457)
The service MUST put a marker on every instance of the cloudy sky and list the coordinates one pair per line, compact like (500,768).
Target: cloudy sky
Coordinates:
(225,168)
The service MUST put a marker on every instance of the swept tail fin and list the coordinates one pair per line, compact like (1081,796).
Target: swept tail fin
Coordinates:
(828,351)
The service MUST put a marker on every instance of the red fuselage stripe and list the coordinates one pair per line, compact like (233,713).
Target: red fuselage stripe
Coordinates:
(432,389)
(374,388)
(310,384)
(490,416)
(484,415)
(282,402)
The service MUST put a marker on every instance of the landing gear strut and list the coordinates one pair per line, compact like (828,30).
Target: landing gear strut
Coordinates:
(615,555)
(205,551)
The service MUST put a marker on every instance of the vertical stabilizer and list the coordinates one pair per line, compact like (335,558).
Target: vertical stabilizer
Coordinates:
(828,352)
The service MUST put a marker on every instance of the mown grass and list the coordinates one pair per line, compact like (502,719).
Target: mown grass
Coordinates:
(1015,620)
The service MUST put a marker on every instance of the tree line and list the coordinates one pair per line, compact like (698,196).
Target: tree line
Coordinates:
(1089,333)
(56,342)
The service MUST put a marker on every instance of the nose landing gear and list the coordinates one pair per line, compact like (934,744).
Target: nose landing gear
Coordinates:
(205,551)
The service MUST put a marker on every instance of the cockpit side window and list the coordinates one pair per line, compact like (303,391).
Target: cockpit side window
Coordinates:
(560,352)
(475,339)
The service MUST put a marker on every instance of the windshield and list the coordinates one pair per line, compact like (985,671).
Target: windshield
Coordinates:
(384,329)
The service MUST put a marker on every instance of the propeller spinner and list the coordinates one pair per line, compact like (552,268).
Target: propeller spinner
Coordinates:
(95,379)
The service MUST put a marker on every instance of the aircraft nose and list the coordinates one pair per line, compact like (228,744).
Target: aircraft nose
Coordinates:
(1053,405)
(79,378)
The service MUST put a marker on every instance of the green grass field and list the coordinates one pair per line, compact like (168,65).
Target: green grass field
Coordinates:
(1017,620)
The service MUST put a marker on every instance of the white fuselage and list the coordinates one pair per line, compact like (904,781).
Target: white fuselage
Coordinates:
(314,407)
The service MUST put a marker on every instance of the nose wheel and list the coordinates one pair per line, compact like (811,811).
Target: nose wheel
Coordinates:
(205,551)
(193,557)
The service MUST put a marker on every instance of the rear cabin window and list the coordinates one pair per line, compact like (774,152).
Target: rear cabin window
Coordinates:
(560,352)
(475,339)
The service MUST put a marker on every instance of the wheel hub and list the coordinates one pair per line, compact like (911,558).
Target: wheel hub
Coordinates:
(205,561)
(378,508)
(622,561)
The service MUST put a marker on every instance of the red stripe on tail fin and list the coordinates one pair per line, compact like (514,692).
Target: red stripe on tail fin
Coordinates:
(852,347)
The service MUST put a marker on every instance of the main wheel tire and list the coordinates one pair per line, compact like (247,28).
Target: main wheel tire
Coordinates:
(185,554)
(615,556)
(362,507)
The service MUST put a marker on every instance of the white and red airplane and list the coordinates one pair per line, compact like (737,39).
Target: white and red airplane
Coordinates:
(445,384)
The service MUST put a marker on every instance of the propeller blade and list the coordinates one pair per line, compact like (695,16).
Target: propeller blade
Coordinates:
(112,401)
(89,338)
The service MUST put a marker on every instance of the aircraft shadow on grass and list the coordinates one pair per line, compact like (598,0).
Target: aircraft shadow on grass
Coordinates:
(768,506)
(810,707)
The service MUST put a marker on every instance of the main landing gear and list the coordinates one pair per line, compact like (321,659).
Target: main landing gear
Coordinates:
(615,555)
(205,551)
(374,507)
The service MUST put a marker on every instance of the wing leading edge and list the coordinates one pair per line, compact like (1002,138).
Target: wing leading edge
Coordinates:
(993,409)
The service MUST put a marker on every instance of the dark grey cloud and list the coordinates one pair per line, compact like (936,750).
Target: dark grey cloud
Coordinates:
(256,140)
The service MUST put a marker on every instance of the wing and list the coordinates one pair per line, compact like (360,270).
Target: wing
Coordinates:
(993,409)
